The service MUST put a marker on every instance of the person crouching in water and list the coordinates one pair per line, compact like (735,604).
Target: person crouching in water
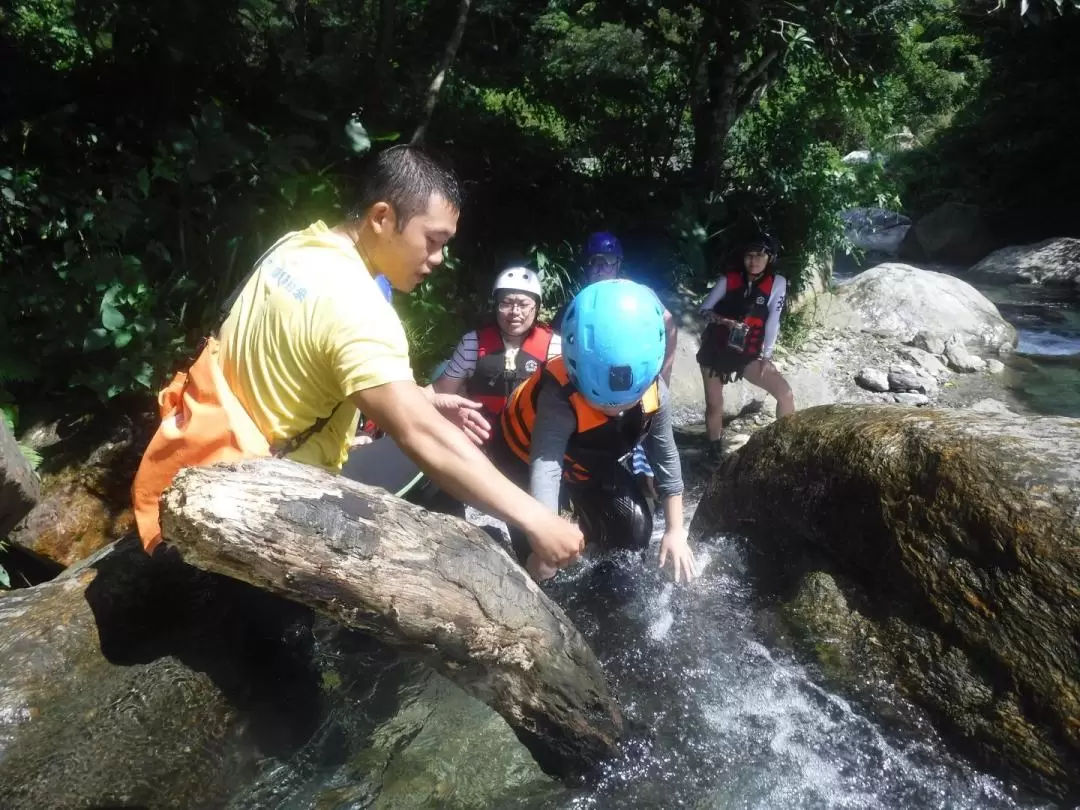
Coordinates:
(743,313)
(578,417)
(492,361)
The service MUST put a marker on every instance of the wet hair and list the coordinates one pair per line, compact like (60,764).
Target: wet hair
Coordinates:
(404,177)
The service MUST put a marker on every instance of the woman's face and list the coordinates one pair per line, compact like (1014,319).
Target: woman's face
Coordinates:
(516,313)
(755,261)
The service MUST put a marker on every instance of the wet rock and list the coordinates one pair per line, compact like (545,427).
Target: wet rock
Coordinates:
(873,379)
(86,477)
(995,366)
(141,683)
(899,302)
(960,359)
(445,749)
(875,229)
(928,342)
(1053,261)
(911,398)
(960,531)
(19,488)
(842,641)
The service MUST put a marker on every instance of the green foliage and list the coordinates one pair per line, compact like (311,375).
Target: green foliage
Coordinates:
(9,412)
(1006,147)
(154,149)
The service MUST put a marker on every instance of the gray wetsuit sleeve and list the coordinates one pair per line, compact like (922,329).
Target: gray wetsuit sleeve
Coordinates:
(555,424)
(661,451)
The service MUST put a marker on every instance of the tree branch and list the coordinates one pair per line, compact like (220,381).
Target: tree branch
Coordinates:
(440,76)
(747,80)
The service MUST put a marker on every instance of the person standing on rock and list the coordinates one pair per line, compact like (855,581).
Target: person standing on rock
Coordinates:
(743,313)
(310,340)
(577,419)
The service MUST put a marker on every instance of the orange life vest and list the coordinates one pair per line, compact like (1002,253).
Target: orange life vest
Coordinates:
(202,423)
(491,382)
(598,440)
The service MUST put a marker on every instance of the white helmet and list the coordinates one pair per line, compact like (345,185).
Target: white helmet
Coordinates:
(518,279)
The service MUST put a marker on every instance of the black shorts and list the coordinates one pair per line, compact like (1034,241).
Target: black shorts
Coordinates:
(720,361)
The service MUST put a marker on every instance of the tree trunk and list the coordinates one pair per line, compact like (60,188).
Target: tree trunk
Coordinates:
(19,487)
(723,83)
(429,584)
(444,67)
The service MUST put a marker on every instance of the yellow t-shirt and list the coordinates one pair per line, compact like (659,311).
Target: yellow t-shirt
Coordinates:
(310,328)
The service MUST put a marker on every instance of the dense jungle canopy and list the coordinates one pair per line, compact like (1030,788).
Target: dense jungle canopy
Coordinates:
(149,151)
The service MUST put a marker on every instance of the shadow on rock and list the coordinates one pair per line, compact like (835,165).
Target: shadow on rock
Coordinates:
(136,682)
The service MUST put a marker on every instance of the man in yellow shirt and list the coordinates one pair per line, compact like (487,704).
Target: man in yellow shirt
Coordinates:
(310,340)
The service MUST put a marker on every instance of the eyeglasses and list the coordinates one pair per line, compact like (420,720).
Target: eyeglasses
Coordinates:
(524,307)
(603,260)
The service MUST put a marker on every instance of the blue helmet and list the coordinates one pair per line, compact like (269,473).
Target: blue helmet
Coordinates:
(613,342)
(603,242)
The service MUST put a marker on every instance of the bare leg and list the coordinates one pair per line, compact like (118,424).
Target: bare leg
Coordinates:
(763,374)
(714,405)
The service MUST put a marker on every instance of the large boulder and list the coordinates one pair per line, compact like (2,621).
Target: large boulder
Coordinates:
(875,229)
(959,533)
(89,463)
(954,233)
(1053,261)
(808,383)
(899,301)
(19,487)
(135,682)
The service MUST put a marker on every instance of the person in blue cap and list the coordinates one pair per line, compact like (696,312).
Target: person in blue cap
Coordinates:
(603,261)
(577,419)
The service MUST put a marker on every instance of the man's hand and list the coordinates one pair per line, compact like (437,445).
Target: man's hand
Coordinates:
(555,541)
(465,414)
(675,543)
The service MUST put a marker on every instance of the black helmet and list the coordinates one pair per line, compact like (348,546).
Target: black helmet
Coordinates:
(763,242)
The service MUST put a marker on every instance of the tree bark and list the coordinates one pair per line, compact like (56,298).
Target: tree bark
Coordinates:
(19,486)
(449,54)
(723,85)
(428,584)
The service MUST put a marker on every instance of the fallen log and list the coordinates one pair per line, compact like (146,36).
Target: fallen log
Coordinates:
(428,584)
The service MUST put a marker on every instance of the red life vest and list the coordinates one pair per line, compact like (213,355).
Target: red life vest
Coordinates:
(491,382)
(747,304)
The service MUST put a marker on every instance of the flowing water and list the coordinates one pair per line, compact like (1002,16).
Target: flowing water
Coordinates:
(726,715)
(1043,374)
(723,718)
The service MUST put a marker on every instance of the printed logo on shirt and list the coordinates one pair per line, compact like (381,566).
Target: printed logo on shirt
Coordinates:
(287,282)
(531,366)
(760,300)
